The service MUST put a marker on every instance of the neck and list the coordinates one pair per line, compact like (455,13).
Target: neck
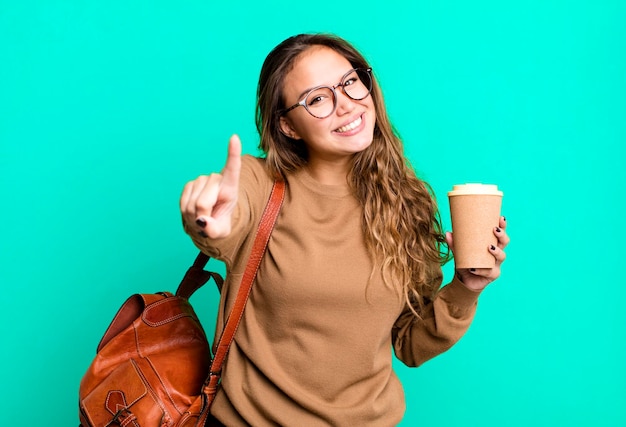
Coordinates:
(329,173)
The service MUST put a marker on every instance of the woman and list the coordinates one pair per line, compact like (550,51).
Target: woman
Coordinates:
(353,266)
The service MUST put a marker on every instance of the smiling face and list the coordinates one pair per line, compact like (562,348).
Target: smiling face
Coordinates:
(348,130)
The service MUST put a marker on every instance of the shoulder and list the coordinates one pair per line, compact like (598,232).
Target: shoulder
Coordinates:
(253,169)
(252,162)
(255,183)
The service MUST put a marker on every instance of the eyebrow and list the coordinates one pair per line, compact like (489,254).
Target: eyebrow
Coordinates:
(304,92)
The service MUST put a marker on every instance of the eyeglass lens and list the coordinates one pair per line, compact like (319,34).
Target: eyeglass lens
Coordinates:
(321,102)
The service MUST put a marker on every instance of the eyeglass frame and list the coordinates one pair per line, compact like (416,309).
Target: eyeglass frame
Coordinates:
(341,84)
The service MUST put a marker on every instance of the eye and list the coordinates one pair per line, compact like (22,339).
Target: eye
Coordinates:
(350,81)
(316,99)
(319,96)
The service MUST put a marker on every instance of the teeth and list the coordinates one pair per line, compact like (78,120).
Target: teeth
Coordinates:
(349,126)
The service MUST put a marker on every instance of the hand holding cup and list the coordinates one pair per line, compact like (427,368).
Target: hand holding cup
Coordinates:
(478,233)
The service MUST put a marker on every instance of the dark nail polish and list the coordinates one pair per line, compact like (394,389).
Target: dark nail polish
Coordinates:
(493,248)
(472,270)
(498,229)
(201,222)
(203,234)
(504,218)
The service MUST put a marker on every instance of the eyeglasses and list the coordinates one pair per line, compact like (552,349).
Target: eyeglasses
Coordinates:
(321,101)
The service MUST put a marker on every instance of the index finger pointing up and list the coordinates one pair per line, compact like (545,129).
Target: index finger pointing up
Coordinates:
(232,169)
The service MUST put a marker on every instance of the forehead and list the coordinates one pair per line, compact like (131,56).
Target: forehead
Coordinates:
(318,65)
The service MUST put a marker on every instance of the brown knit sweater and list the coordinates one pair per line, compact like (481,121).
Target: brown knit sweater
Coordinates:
(314,347)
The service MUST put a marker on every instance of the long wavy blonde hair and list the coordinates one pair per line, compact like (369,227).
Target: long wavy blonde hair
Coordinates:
(401,222)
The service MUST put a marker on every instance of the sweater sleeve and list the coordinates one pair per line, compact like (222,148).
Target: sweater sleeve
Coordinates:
(444,321)
(224,248)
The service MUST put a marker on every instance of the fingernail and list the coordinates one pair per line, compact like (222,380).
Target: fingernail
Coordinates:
(498,229)
(504,218)
(201,222)
(472,270)
(203,234)
(493,248)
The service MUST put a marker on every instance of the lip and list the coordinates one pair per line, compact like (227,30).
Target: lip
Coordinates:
(352,131)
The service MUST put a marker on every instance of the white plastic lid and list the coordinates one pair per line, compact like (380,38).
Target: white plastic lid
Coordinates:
(475,188)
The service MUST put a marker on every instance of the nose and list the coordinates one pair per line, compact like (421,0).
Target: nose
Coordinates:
(345,104)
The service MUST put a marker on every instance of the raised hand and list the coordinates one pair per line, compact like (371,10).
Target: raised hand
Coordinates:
(207,202)
(478,278)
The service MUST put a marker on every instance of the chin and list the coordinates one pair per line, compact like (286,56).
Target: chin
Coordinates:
(362,144)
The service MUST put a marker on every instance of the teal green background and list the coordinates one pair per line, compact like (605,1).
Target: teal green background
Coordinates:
(108,108)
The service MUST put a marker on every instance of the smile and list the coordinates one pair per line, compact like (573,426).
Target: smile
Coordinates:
(350,126)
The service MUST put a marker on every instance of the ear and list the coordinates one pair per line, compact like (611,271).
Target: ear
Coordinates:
(287,130)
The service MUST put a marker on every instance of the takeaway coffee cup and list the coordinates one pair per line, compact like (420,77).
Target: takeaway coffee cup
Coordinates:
(475,212)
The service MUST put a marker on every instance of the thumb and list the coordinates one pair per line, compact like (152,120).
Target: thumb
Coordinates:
(450,240)
(232,169)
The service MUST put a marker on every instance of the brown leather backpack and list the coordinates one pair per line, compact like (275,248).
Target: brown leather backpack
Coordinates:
(153,366)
